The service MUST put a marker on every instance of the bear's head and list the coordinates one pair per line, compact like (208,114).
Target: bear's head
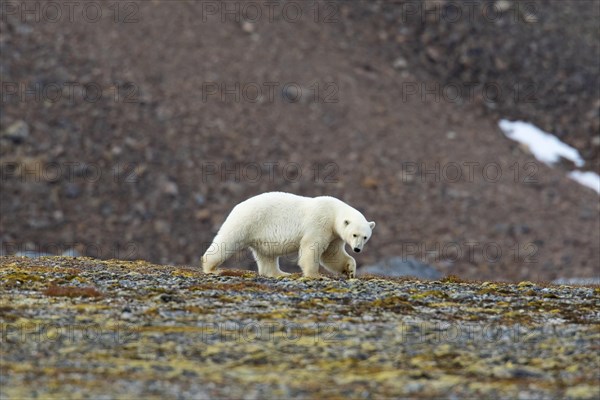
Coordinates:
(356,233)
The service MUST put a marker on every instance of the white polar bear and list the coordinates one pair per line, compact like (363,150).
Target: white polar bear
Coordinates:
(275,224)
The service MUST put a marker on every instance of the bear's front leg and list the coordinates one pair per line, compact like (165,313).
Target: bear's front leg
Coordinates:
(309,256)
(350,270)
(335,259)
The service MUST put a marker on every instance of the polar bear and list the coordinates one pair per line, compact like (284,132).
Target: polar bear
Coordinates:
(275,224)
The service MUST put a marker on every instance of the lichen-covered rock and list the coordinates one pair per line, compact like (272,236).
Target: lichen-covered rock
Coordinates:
(70,325)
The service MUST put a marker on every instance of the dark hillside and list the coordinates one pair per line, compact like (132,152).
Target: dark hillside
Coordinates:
(196,114)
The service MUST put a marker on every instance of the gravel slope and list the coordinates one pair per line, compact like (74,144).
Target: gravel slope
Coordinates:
(71,326)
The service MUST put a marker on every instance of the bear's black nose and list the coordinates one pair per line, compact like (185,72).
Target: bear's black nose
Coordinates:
(356,250)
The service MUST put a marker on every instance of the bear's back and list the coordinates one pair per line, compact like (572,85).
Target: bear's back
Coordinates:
(274,216)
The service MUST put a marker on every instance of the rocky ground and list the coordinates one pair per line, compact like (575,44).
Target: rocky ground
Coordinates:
(532,60)
(120,136)
(80,327)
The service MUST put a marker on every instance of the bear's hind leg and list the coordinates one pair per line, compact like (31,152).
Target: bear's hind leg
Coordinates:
(219,251)
(210,261)
(268,265)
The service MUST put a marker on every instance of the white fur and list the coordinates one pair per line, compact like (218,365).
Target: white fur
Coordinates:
(275,224)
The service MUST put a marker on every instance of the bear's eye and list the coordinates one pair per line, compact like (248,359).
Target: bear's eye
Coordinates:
(355,235)
(365,238)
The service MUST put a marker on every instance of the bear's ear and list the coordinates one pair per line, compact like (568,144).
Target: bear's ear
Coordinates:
(346,222)
(372,224)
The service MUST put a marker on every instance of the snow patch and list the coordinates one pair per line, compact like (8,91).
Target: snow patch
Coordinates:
(549,149)
(544,146)
(586,178)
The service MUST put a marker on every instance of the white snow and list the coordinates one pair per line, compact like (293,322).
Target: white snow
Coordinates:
(586,178)
(544,146)
(549,149)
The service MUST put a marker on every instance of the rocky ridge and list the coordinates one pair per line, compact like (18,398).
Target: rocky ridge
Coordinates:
(69,325)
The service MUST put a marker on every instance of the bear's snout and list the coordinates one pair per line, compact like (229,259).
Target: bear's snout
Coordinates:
(356,250)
